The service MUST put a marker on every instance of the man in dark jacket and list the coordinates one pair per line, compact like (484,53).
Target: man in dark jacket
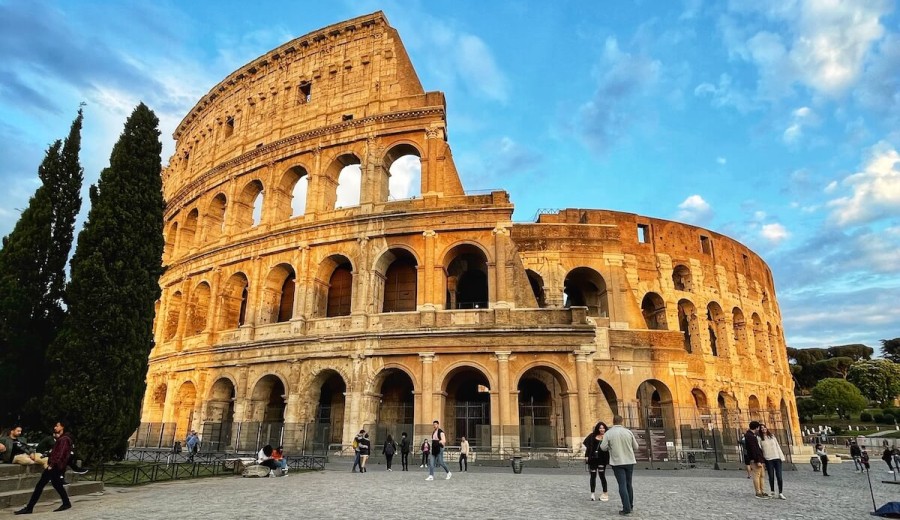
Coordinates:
(756,458)
(56,469)
(404,452)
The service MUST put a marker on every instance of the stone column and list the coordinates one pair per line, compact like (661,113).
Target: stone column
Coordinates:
(301,283)
(501,236)
(583,384)
(507,430)
(426,414)
(430,273)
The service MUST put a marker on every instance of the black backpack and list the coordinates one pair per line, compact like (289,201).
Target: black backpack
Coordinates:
(389,448)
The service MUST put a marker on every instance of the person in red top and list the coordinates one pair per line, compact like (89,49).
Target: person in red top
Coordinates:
(56,469)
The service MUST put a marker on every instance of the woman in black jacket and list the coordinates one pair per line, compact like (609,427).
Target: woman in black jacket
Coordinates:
(597,459)
(365,448)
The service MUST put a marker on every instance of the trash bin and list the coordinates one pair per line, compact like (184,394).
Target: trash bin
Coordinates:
(815,462)
(177,447)
(517,465)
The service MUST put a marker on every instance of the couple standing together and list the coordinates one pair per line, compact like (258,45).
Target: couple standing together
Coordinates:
(612,447)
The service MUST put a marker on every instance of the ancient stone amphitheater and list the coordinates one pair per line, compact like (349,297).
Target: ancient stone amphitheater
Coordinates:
(326,272)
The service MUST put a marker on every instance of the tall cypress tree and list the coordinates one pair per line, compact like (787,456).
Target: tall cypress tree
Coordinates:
(99,359)
(32,276)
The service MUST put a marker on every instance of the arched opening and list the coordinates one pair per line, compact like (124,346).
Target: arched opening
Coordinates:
(267,404)
(543,409)
(785,414)
(248,207)
(584,287)
(400,281)
(653,309)
(278,295)
(686,319)
(199,309)
(468,407)
(340,291)
(349,187)
(732,418)
(290,199)
(395,405)
(173,316)
(404,167)
(214,222)
(681,278)
(234,302)
(740,331)
(341,182)
(610,400)
(537,288)
(171,240)
(715,324)
(330,409)
(156,404)
(467,278)
(700,401)
(753,406)
(184,403)
(219,420)
(189,231)
(759,338)
(656,413)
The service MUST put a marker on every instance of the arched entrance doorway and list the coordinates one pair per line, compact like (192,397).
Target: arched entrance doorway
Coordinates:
(218,422)
(395,405)
(656,416)
(267,404)
(184,409)
(468,407)
(543,410)
(329,426)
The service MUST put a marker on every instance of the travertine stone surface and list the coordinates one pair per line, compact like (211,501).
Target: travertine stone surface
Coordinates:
(272,313)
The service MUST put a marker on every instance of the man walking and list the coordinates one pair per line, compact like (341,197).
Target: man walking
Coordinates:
(464,454)
(756,458)
(58,460)
(193,445)
(438,440)
(620,443)
(404,452)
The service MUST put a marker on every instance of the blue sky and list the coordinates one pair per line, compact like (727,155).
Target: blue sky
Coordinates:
(776,123)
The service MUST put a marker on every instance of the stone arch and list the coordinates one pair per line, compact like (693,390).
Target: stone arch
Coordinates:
(466,270)
(334,287)
(266,406)
(289,199)
(328,395)
(157,403)
(759,337)
(656,410)
(715,327)
(402,167)
(248,206)
(277,304)
(754,408)
(347,174)
(173,316)
(785,415)
(585,287)
(740,331)
(214,220)
(653,308)
(234,301)
(170,242)
(612,402)
(200,301)
(732,418)
(394,387)
(544,411)
(218,420)
(396,280)
(189,231)
(701,403)
(466,389)
(687,318)
(183,407)
(537,288)
(681,278)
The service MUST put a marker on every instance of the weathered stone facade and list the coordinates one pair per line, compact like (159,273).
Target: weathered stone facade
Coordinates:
(315,322)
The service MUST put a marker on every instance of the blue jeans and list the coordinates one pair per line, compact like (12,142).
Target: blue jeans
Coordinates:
(623,479)
(773,468)
(356,461)
(437,460)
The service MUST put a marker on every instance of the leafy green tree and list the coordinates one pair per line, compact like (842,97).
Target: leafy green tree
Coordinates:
(890,349)
(32,278)
(838,395)
(878,380)
(808,407)
(856,351)
(833,367)
(99,359)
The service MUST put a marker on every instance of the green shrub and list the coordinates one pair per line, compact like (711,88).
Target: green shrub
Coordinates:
(837,430)
(865,417)
(878,418)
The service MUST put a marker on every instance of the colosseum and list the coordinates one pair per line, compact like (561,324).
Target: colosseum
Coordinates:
(326,271)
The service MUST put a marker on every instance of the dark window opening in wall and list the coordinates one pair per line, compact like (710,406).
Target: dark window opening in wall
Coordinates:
(242,314)
(347,117)
(286,305)
(340,292)
(400,286)
(187,157)
(746,260)
(229,126)
(304,93)
(643,233)
(705,245)
(712,334)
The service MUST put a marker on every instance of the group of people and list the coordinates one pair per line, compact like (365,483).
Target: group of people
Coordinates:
(763,452)
(272,458)
(612,447)
(432,451)
(859,454)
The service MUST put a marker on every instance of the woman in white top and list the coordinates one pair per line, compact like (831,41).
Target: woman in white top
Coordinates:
(774,457)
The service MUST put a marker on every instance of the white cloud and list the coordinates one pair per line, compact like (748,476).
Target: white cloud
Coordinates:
(694,210)
(832,186)
(875,190)
(723,94)
(800,118)
(348,189)
(477,68)
(774,233)
(721,160)
(405,181)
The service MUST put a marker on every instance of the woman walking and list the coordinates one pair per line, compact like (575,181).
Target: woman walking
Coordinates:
(774,457)
(597,459)
(390,447)
(365,448)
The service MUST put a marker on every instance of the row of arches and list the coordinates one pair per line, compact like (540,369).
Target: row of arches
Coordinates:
(293,193)
(683,280)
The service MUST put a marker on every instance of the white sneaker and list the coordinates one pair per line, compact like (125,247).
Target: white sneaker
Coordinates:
(592,497)
(389,469)
(422,466)
(448,475)
(781,496)
(891,472)
(430,477)
(604,497)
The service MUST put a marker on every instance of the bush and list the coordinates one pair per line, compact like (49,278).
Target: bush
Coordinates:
(887,418)
(865,417)
(878,418)
(837,430)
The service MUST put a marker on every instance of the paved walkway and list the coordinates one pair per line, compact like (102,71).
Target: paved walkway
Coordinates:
(486,493)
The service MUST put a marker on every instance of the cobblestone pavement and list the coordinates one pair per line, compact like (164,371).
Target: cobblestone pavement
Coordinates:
(486,493)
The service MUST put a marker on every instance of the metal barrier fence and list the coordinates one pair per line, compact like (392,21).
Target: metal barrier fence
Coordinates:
(134,474)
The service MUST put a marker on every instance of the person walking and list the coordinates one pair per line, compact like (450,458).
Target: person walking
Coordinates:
(436,458)
(856,455)
(888,459)
(597,459)
(774,457)
(620,443)
(404,451)
(388,450)
(54,472)
(757,459)
(823,456)
(356,457)
(426,447)
(193,445)
(463,454)
(365,448)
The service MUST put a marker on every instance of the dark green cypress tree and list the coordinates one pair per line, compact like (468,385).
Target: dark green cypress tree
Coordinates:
(99,359)
(32,276)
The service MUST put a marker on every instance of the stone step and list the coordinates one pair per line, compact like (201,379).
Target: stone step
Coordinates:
(9,470)
(20,497)
(25,477)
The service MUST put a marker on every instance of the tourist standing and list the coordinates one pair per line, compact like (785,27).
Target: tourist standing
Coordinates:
(404,451)
(356,440)
(463,455)
(620,443)
(774,457)
(426,447)
(388,450)
(54,472)
(856,455)
(365,448)
(756,458)
(193,445)
(436,458)
(823,456)
(597,459)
